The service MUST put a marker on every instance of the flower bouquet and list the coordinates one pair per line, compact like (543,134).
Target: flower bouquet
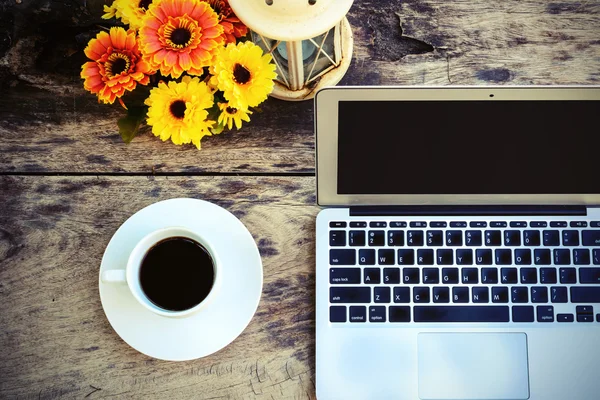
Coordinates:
(184,65)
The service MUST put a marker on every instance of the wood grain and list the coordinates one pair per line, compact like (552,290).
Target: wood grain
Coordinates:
(49,124)
(55,339)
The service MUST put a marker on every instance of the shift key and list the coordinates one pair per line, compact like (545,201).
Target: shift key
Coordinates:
(350,295)
(589,275)
(344,275)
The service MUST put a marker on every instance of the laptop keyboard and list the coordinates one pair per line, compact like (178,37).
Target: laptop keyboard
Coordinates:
(457,271)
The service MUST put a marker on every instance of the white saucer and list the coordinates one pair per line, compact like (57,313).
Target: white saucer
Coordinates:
(208,330)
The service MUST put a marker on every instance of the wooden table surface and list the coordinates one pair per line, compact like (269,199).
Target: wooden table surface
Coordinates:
(67,182)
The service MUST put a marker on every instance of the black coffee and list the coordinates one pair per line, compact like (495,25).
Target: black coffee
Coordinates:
(177,273)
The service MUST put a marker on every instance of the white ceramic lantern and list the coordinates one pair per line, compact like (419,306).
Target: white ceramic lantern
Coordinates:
(310,41)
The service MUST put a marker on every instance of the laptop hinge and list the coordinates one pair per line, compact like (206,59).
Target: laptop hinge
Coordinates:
(451,210)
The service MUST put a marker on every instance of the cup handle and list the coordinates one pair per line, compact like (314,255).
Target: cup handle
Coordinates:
(114,275)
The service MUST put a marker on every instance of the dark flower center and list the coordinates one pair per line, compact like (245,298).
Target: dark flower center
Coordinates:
(240,74)
(118,66)
(181,36)
(231,110)
(145,4)
(178,109)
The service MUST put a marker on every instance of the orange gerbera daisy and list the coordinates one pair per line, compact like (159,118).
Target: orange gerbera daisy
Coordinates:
(180,35)
(233,28)
(116,65)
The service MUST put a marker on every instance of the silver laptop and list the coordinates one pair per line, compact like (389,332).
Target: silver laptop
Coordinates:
(458,254)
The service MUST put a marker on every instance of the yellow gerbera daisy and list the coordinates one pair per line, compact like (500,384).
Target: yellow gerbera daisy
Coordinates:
(179,111)
(128,11)
(230,114)
(244,74)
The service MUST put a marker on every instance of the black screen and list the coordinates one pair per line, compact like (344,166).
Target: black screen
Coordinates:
(468,147)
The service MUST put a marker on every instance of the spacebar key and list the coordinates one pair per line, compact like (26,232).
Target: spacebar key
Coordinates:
(461,314)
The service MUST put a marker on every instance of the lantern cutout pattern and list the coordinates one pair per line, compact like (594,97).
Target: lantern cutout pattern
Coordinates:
(310,41)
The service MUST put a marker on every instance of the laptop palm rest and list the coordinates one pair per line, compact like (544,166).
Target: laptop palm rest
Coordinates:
(481,366)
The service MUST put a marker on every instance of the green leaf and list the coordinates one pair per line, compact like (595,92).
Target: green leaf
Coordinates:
(129,125)
(217,129)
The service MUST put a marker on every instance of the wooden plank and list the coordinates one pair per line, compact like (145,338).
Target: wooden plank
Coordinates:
(55,339)
(49,124)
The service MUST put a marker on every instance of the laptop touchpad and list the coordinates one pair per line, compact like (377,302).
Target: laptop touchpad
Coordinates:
(473,366)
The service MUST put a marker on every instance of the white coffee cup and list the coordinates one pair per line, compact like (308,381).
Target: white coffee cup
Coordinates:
(131,274)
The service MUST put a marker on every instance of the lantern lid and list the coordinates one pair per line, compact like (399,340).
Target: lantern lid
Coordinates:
(290,20)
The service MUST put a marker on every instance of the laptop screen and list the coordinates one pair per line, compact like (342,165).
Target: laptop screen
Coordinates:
(468,147)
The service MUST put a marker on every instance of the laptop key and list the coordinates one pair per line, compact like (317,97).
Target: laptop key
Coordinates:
(356,238)
(489,275)
(449,275)
(483,256)
(342,257)
(441,294)
(499,294)
(596,256)
(585,314)
(454,238)
(406,257)
(478,224)
(558,294)
(431,276)
(545,313)
(358,224)
(398,224)
(337,313)
(470,275)
(337,238)
(589,275)
(337,224)
(562,257)
(523,256)
(425,257)
(386,257)
(418,224)
(581,256)
(493,238)
(480,295)
(460,294)
(399,314)
(410,275)
(503,257)
(377,314)
(435,238)
(366,257)
(339,294)
(519,294)
(542,257)
(376,238)
(570,238)
(344,275)
(377,224)
(578,224)
(590,237)
(402,294)
(512,238)
(551,238)
(473,238)
(539,294)
(564,318)
(528,275)
(381,294)
(498,224)
(568,275)
(421,294)
(391,275)
(595,224)
(438,224)
(522,313)
(508,275)
(372,275)
(585,294)
(464,257)
(518,224)
(538,224)
(558,224)
(358,314)
(548,275)
(396,238)
(531,238)
(414,238)
(461,314)
(444,257)
(458,224)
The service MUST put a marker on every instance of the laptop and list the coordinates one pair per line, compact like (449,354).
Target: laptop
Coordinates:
(458,251)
